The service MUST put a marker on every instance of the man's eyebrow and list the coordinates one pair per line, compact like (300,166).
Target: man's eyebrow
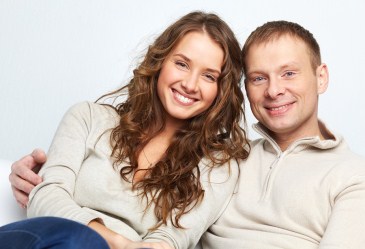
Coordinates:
(289,65)
(255,71)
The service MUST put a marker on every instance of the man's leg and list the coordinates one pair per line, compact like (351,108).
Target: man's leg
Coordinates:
(49,232)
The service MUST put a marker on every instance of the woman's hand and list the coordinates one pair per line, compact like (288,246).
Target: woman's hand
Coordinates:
(147,245)
(117,241)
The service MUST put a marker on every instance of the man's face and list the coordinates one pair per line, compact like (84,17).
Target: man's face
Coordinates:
(283,87)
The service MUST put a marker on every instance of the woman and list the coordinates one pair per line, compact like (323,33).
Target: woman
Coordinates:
(160,166)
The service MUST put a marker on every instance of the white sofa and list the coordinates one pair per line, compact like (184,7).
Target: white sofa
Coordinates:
(9,209)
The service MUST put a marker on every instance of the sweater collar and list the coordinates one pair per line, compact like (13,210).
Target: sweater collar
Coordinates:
(304,143)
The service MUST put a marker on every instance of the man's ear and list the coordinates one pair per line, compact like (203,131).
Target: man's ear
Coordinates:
(322,78)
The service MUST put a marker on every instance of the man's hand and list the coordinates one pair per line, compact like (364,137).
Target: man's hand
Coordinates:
(23,176)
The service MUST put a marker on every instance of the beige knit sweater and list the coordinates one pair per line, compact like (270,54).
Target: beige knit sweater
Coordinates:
(311,196)
(81,184)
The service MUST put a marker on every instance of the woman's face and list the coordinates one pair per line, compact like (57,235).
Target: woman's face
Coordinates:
(188,80)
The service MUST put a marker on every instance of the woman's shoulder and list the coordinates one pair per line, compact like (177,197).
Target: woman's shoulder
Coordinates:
(94,113)
(94,109)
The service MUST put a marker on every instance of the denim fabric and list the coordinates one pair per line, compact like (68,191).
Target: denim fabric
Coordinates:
(49,232)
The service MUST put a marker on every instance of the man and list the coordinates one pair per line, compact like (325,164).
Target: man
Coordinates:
(301,186)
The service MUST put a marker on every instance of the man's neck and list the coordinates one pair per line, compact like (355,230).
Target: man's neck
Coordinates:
(284,140)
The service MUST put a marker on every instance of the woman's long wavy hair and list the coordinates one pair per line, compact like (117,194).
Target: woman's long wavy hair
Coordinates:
(173,183)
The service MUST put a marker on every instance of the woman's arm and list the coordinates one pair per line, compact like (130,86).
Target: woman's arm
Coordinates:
(71,146)
(54,196)
(67,153)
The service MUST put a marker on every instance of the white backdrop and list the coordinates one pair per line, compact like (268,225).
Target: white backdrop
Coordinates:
(54,53)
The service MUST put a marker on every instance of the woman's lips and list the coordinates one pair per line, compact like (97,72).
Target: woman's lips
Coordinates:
(182,99)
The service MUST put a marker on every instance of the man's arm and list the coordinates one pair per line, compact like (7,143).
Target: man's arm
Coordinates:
(346,225)
(23,177)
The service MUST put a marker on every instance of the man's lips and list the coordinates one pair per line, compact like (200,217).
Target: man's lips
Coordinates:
(279,109)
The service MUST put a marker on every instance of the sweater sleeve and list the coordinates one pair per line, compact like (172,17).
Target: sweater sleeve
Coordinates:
(219,184)
(346,224)
(54,196)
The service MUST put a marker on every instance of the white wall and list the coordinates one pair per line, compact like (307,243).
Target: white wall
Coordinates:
(54,53)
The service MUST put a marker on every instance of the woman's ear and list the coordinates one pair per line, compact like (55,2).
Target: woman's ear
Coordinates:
(322,78)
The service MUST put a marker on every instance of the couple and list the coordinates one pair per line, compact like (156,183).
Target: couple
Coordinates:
(182,168)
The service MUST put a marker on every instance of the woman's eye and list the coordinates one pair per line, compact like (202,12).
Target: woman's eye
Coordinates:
(211,77)
(181,64)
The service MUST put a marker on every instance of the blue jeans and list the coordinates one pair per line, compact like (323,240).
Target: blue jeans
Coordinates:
(49,232)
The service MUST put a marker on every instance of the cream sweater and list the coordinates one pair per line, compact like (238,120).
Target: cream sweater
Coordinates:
(310,196)
(80,183)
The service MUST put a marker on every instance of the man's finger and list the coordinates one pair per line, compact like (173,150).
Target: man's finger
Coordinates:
(39,156)
(21,198)
(21,184)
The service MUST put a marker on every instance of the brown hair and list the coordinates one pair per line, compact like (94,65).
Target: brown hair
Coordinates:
(173,183)
(274,30)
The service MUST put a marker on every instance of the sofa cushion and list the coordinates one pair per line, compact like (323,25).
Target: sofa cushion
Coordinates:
(9,210)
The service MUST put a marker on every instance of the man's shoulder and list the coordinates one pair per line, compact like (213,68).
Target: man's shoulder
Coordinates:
(343,152)
(343,161)
(353,158)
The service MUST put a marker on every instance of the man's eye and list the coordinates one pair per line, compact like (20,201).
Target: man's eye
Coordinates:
(258,79)
(289,74)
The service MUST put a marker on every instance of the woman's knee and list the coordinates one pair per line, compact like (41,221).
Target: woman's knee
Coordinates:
(54,232)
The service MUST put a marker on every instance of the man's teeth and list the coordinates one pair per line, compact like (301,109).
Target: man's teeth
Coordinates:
(183,99)
(278,108)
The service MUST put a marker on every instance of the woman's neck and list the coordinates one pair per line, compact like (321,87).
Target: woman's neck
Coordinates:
(155,149)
